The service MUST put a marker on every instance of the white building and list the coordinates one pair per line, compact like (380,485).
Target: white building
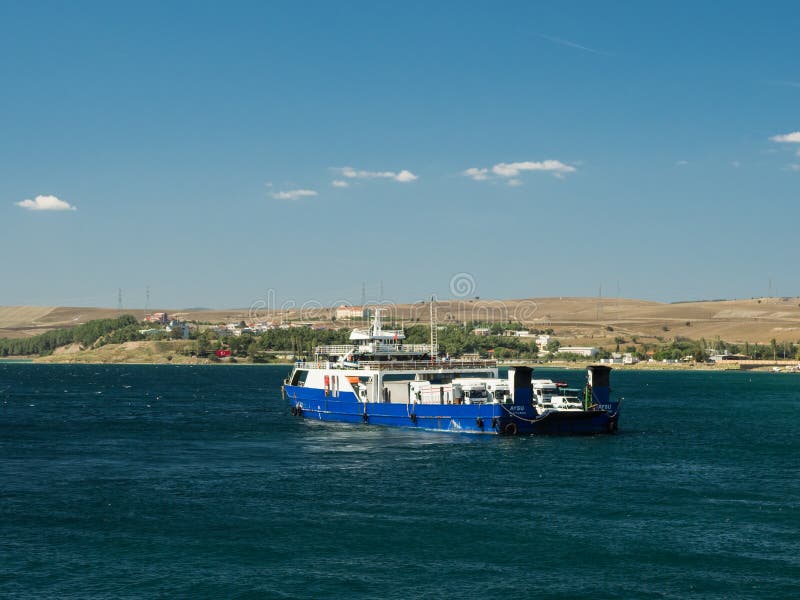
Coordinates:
(181,326)
(579,350)
(620,359)
(352,312)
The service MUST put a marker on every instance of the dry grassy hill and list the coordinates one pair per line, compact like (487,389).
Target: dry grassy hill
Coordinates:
(578,320)
(130,352)
(23,321)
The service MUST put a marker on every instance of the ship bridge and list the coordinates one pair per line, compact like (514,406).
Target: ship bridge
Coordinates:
(378,344)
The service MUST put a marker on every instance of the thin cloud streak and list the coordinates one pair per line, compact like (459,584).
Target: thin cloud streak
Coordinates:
(569,44)
(403,176)
(785,83)
(293,194)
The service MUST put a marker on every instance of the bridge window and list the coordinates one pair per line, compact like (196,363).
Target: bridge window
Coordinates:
(299,378)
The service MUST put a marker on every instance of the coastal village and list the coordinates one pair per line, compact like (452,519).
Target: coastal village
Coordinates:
(614,335)
(236,340)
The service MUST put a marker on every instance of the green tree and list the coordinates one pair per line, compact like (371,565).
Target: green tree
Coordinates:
(253,349)
(203,346)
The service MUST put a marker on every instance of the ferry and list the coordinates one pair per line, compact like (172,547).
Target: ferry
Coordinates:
(378,379)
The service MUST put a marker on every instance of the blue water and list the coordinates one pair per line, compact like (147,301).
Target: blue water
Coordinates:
(169,481)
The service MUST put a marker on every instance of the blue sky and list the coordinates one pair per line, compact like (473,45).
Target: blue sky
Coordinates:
(546,149)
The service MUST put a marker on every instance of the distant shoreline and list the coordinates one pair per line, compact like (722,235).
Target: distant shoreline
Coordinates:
(578,366)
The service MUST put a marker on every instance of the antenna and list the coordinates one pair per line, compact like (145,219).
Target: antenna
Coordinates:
(147,298)
(364,311)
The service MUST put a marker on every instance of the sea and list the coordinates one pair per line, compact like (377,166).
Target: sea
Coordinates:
(121,481)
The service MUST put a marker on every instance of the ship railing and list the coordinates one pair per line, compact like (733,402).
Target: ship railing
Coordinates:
(336,349)
(315,364)
(400,365)
(345,349)
(420,348)
(418,365)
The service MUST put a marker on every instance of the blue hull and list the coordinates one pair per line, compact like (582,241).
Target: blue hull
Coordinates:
(494,419)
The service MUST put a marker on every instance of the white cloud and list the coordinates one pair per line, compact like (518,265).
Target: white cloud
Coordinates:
(794,167)
(476,173)
(514,182)
(339,183)
(736,164)
(787,138)
(681,163)
(46,203)
(515,168)
(403,176)
(293,194)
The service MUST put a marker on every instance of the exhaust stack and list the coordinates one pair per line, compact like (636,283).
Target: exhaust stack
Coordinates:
(599,387)
(520,382)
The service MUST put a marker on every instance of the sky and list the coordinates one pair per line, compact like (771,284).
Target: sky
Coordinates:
(225,154)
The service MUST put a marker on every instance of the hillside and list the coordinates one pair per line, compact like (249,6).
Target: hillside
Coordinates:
(26,321)
(579,320)
(129,352)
